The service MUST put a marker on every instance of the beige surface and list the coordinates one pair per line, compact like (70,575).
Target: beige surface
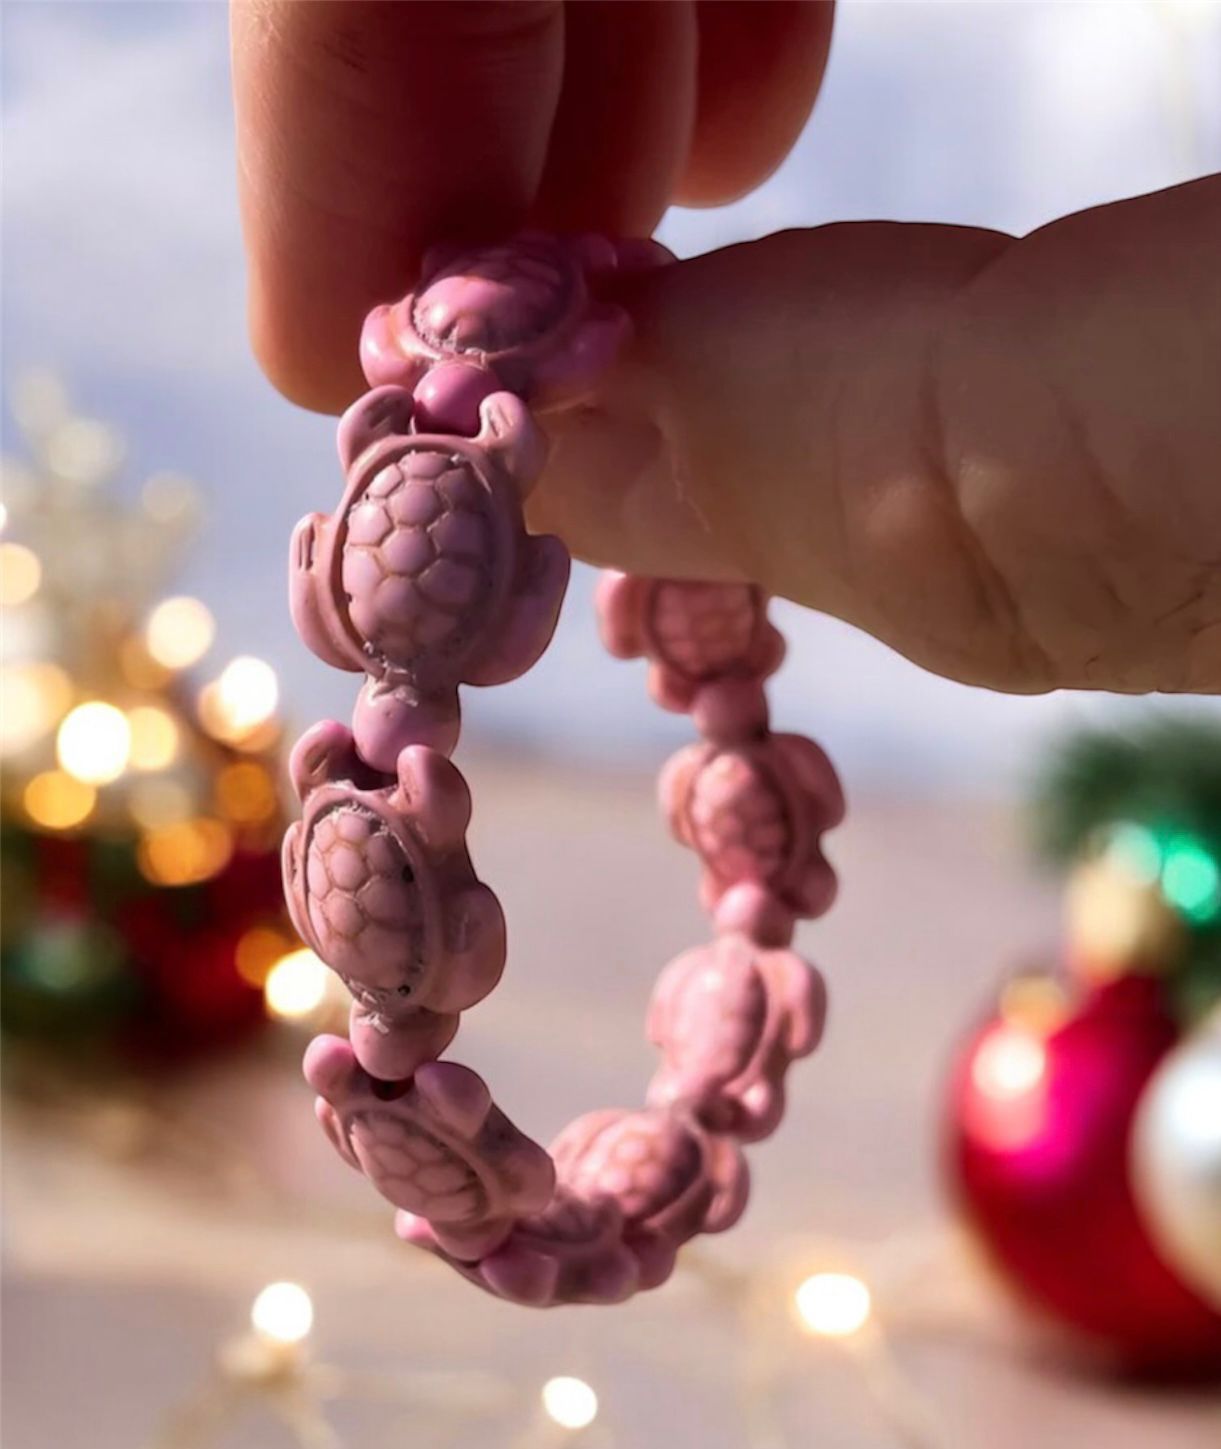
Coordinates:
(121,1282)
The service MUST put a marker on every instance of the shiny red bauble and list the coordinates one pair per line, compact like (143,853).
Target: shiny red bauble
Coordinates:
(1036,1150)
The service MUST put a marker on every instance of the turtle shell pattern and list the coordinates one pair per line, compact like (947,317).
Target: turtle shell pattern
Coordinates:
(739,818)
(645,1162)
(422,562)
(704,631)
(364,904)
(715,1031)
(416,1170)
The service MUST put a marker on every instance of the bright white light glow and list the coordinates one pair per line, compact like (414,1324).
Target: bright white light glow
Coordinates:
(246,693)
(179,631)
(833,1305)
(1009,1063)
(154,737)
(94,742)
(283,1312)
(570,1402)
(20,573)
(295,985)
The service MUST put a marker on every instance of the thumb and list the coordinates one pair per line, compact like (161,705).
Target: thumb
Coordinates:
(992,454)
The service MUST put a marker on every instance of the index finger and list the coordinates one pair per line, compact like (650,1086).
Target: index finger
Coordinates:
(359,127)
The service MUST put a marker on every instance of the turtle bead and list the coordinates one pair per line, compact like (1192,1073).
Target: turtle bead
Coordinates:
(570,1252)
(522,309)
(755,812)
(437,1147)
(668,1177)
(693,634)
(424,578)
(380,885)
(730,1017)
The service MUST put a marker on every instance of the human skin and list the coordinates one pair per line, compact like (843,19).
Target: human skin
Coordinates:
(998,455)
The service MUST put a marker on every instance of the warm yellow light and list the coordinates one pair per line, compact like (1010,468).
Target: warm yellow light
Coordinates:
(154,737)
(185,853)
(283,1312)
(258,950)
(245,793)
(94,742)
(32,698)
(570,1402)
(57,800)
(179,632)
(295,985)
(833,1305)
(153,803)
(243,698)
(20,574)
(1009,1063)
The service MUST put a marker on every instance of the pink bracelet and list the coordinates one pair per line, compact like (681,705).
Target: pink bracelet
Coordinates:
(424,578)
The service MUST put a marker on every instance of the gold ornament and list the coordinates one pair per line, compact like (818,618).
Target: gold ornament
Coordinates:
(1118,921)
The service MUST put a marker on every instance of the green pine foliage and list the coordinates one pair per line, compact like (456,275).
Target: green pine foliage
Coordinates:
(1164,778)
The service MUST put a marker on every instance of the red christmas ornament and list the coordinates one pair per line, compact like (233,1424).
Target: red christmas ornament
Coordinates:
(1037,1154)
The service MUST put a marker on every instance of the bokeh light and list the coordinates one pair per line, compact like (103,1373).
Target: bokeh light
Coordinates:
(179,632)
(57,801)
(1005,1104)
(241,700)
(257,952)
(295,985)
(570,1402)
(1009,1062)
(20,574)
(33,697)
(283,1312)
(185,853)
(94,742)
(245,793)
(154,737)
(833,1305)
(1191,878)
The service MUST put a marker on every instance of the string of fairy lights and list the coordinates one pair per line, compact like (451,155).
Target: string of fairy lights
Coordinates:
(271,1363)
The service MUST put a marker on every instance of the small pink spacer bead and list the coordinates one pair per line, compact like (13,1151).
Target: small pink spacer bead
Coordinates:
(729,711)
(447,398)
(754,912)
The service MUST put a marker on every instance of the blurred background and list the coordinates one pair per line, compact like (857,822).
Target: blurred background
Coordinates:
(147,460)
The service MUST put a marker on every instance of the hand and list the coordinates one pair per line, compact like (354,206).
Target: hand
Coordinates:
(1000,456)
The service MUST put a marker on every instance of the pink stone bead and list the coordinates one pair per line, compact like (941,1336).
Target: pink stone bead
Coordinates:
(755,813)
(668,1177)
(730,711)
(447,398)
(730,1018)
(438,1148)
(425,578)
(694,635)
(380,885)
(571,1252)
(522,309)
(751,910)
